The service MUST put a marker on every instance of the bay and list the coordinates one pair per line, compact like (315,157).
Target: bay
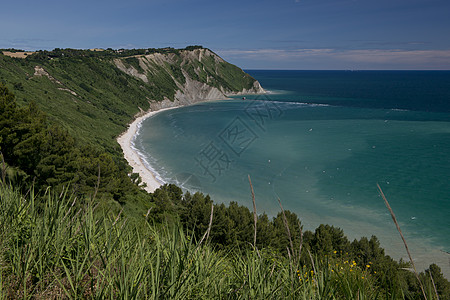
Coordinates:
(320,141)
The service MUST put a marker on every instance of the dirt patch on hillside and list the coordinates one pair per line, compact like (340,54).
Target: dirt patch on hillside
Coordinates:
(17,54)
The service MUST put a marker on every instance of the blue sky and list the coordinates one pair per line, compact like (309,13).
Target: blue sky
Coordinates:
(264,34)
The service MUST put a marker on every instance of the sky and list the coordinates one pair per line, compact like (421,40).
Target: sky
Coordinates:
(264,34)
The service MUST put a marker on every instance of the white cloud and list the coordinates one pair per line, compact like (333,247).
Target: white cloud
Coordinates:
(361,59)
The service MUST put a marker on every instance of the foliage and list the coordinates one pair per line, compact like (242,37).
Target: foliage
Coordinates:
(50,157)
(354,262)
(56,248)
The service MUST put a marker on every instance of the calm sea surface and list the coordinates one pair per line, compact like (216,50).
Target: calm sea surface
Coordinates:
(321,141)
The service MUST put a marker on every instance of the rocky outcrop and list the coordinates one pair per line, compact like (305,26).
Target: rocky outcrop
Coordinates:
(40,71)
(197,75)
(256,89)
(130,70)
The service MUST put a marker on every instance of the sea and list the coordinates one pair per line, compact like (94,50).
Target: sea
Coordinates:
(321,142)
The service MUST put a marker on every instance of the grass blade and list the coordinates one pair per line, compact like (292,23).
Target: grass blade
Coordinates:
(403,238)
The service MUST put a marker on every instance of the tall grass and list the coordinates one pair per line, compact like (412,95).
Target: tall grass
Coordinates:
(51,247)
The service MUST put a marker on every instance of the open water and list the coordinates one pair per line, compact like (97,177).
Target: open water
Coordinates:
(321,141)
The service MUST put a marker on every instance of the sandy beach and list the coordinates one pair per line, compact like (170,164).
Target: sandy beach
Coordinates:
(126,142)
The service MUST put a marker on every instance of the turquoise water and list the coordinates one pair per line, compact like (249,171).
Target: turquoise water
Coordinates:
(321,141)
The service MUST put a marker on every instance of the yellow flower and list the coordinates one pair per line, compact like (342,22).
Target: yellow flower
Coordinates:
(334,251)
(367,266)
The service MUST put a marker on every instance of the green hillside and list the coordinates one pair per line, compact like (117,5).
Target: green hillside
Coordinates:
(90,96)
(74,104)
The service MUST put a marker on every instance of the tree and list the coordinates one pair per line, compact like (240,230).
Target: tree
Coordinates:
(22,132)
(264,231)
(442,285)
(328,239)
(281,240)
(195,212)
(50,155)
(8,117)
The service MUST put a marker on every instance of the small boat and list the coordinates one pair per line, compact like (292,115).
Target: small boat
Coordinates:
(243,98)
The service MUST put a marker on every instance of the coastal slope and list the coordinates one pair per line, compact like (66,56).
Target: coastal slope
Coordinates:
(193,75)
(96,94)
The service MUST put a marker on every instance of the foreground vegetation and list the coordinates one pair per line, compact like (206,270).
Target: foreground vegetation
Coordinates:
(53,247)
(75,224)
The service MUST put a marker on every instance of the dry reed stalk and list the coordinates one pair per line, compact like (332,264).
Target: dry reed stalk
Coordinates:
(273,268)
(148,213)
(76,215)
(287,227)
(70,208)
(62,192)
(255,215)
(118,216)
(301,240)
(123,224)
(403,238)
(434,286)
(31,189)
(3,168)
(312,262)
(206,235)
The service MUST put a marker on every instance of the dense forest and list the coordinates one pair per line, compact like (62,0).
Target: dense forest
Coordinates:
(75,223)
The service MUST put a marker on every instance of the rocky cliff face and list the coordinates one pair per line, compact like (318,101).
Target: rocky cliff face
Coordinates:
(195,75)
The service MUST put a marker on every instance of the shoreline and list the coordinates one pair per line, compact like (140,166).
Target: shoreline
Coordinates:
(125,141)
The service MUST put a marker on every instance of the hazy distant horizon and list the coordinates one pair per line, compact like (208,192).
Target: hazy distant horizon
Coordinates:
(287,34)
